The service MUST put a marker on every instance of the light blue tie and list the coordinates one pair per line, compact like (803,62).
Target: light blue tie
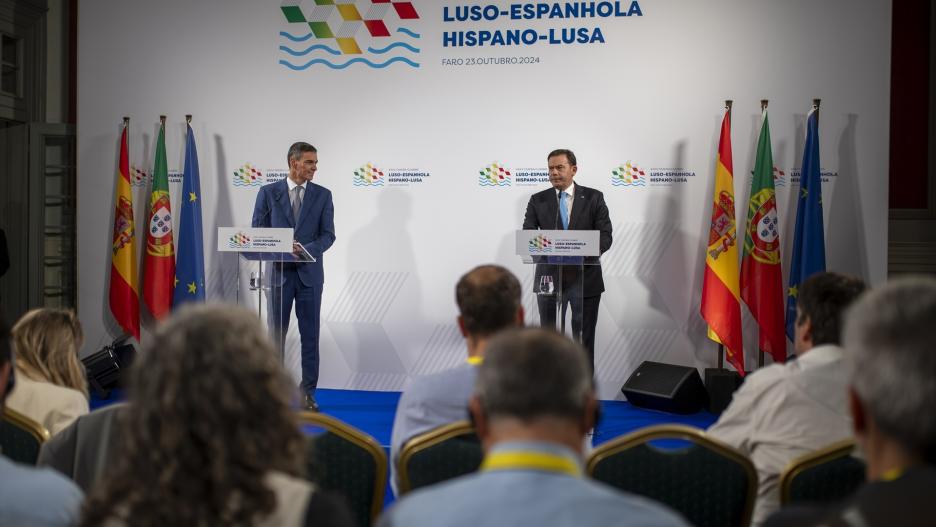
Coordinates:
(563,210)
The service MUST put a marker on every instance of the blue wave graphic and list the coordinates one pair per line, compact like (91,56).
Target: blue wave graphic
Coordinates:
(391,46)
(485,182)
(408,32)
(309,49)
(294,38)
(245,184)
(362,184)
(619,183)
(346,64)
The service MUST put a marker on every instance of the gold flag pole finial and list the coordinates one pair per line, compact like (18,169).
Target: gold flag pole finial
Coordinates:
(815,104)
(126,121)
(728,103)
(162,120)
(188,118)
(763,104)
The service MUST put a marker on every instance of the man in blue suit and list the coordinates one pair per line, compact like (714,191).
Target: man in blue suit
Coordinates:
(307,208)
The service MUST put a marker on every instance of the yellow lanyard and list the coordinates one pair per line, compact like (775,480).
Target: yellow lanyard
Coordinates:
(531,461)
(475,361)
(892,474)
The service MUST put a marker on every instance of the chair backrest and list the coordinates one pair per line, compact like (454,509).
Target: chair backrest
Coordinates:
(440,454)
(21,437)
(708,482)
(345,460)
(824,476)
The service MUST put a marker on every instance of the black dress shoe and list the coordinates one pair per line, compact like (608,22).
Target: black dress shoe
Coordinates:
(310,404)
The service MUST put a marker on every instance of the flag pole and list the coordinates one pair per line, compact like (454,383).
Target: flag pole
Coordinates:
(188,118)
(760,352)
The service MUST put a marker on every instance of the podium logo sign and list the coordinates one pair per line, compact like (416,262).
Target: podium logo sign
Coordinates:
(558,242)
(540,244)
(255,239)
(494,175)
(239,241)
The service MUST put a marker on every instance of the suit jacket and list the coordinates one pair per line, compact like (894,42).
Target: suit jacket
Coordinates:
(589,212)
(315,229)
(83,450)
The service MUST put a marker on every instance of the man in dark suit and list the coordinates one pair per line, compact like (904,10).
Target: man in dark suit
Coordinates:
(298,203)
(574,207)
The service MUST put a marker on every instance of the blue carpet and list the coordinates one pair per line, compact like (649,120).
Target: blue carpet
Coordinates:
(372,413)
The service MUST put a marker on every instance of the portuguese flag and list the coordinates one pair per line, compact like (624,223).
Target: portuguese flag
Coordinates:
(761,279)
(159,266)
(124,300)
(721,306)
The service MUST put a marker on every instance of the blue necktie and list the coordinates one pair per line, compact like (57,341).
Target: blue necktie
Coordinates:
(563,210)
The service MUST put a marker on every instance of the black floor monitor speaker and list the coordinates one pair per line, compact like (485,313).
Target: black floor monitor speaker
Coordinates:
(666,387)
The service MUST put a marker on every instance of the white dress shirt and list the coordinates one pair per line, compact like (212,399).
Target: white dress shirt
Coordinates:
(784,411)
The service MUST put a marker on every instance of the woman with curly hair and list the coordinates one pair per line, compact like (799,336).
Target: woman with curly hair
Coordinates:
(209,437)
(51,387)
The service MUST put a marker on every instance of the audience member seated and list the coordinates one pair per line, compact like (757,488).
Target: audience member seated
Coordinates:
(209,437)
(783,411)
(30,496)
(488,299)
(82,450)
(533,402)
(891,359)
(51,387)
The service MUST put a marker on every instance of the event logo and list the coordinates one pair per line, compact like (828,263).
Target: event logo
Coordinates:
(628,175)
(494,175)
(368,176)
(530,177)
(339,30)
(239,241)
(540,244)
(175,176)
(138,177)
(248,176)
(631,174)
(825,176)
(779,177)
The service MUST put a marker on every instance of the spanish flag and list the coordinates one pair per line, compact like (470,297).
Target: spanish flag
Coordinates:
(124,300)
(721,305)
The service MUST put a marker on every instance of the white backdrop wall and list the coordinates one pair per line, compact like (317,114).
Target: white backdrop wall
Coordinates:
(651,94)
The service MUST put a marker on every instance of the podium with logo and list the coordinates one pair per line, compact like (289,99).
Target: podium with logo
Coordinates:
(262,256)
(561,258)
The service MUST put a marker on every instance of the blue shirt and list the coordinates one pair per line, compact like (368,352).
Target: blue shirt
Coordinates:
(37,497)
(524,497)
(429,402)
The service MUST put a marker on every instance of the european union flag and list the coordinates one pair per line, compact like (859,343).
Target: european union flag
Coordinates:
(808,238)
(190,256)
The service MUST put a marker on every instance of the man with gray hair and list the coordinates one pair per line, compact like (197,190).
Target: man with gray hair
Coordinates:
(533,402)
(891,362)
